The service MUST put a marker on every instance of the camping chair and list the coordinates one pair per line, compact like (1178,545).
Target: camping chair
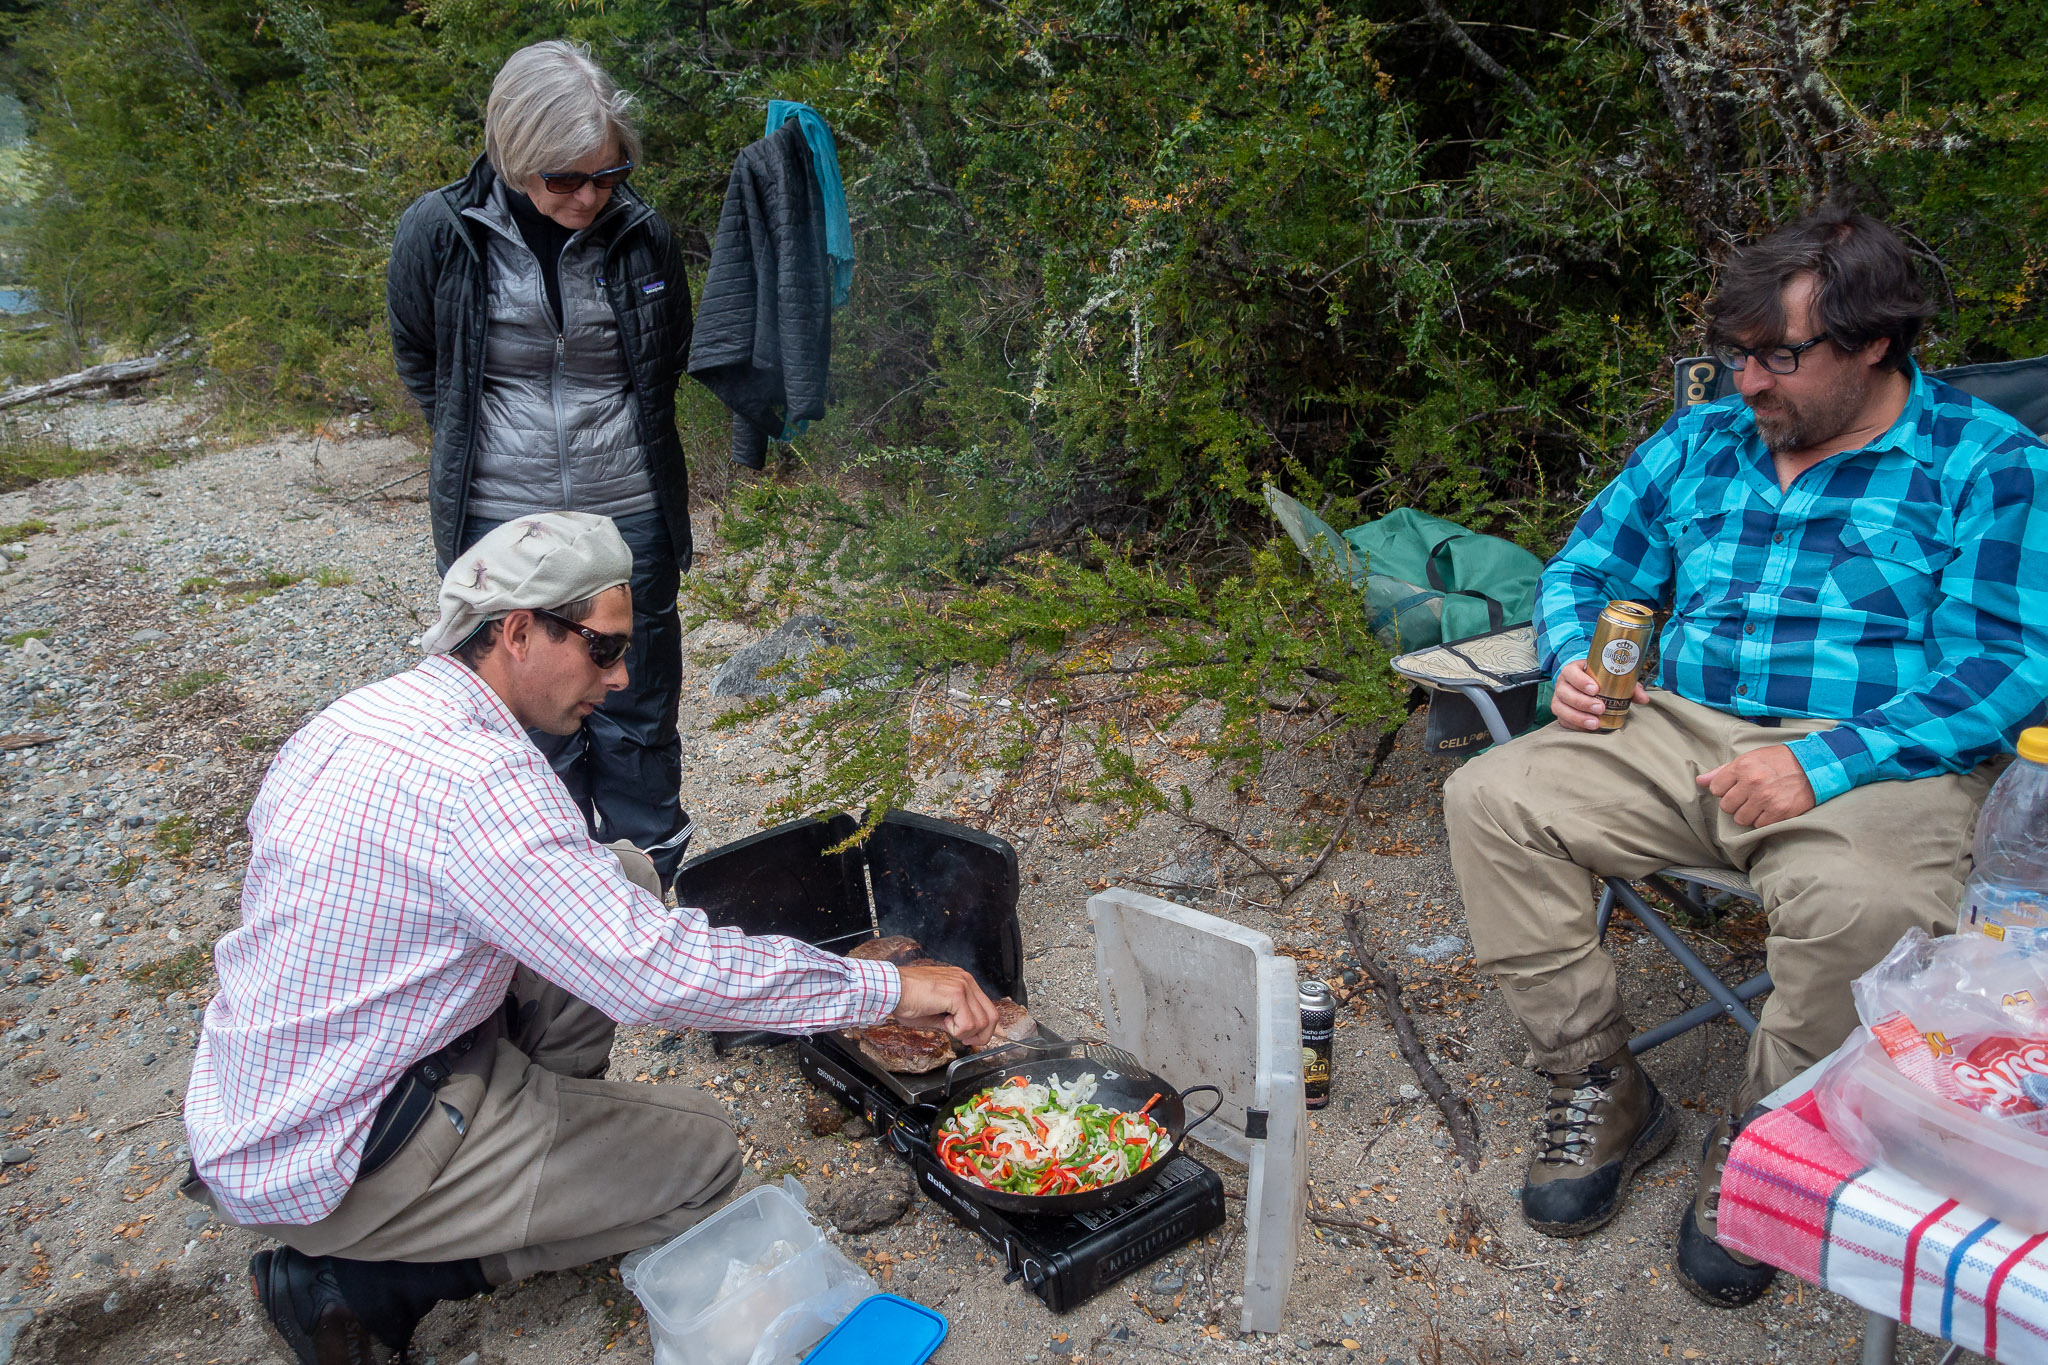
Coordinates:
(1489,686)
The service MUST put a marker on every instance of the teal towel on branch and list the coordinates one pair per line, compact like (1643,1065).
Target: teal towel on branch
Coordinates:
(825,162)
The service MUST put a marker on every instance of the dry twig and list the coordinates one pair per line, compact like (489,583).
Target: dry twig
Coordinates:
(1464,1128)
(416,474)
(153,1118)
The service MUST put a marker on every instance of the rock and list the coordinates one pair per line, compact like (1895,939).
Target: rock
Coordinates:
(1169,1281)
(1442,948)
(871,1200)
(143,637)
(14,1156)
(117,1164)
(112,1303)
(1409,1092)
(26,1033)
(1184,877)
(33,649)
(740,676)
(857,1128)
(822,1115)
(198,1218)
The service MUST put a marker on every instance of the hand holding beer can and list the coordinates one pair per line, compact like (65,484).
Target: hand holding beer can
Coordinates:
(1621,639)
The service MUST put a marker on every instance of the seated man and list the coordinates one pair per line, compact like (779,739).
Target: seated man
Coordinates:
(1856,558)
(399,1076)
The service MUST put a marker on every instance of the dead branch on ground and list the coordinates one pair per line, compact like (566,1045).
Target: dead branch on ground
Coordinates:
(1457,1114)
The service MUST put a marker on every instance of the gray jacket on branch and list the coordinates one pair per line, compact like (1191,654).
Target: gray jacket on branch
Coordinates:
(764,325)
(523,417)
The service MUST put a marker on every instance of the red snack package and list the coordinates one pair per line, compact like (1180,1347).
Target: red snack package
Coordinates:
(2003,1074)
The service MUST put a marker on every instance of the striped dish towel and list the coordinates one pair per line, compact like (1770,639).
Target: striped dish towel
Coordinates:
(1793,1197)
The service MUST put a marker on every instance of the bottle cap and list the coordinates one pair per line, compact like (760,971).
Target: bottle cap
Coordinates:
(2033,744)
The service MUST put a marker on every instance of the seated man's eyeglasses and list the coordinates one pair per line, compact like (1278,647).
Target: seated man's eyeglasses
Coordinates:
(1780,359)
(568,182)
(605,650)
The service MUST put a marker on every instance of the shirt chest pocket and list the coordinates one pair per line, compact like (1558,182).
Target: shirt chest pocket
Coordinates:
(1701,561)
(1886,571)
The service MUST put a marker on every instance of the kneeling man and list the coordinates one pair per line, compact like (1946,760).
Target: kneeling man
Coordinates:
(399,1078)
(1856,561)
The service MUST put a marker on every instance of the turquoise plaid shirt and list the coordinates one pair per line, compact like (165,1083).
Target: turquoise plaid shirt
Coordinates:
(1900,589)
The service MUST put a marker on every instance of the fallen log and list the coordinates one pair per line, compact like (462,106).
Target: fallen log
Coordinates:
(114,372)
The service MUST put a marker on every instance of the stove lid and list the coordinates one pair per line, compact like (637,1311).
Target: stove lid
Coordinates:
(954,890)
(781,881)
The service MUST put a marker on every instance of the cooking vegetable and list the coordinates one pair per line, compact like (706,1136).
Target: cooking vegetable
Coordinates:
(1029,1138)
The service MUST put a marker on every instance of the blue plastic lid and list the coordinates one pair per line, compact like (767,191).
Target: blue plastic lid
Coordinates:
(883,1329)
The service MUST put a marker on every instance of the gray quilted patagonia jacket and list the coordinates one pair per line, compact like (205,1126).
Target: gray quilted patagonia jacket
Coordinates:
(520,423)
(764,326)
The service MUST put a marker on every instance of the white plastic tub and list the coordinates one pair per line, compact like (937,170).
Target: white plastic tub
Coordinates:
(1993,1165)
(753,1284)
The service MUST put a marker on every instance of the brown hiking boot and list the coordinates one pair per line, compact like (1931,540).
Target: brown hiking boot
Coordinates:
(1600,1126)
(1714,1274)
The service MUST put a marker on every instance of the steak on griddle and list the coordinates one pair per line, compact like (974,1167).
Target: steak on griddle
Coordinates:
(895,949)
(1014,1023)
(912,1050)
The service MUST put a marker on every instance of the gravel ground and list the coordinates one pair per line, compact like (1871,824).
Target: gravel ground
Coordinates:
(171,628)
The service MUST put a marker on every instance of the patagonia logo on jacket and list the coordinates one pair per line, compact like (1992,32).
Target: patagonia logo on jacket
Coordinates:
(654,288)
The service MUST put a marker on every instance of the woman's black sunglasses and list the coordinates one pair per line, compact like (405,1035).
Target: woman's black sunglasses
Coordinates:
(605,650)
(568,182)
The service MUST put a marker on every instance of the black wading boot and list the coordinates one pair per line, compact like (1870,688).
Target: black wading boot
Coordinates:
(1600,1126)
(331,1311)
(1714,1274)
(310,1314)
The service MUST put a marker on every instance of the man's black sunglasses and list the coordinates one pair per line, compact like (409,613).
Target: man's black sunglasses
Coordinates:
(568,182)
(605,650)
(1777,359)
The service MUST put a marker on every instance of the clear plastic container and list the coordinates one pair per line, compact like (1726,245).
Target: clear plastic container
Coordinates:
(753,1284)
(1991,1164)
(2007,894)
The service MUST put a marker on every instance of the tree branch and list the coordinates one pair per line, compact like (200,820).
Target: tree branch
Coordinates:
(1479,55)
(1464,1128)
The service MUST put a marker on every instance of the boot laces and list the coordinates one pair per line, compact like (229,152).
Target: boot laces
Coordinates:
(1569,1118)
(1717,1161)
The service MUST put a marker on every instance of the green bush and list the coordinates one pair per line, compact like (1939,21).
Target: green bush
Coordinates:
(1121,262)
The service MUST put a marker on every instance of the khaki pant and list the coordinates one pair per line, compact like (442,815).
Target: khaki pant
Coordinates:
(550,1166)
(1533,822)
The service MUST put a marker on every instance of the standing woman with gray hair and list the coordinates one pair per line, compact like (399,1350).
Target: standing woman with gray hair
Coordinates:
(540,316)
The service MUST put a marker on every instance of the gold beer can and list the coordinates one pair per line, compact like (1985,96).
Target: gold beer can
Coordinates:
(1621,637)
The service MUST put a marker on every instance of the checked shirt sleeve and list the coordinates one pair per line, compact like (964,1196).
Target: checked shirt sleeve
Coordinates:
(524,876)
(1988,638)
(1617,550)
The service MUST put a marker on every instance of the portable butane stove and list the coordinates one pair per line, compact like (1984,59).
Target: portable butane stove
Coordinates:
(954,890)
(1066,1259)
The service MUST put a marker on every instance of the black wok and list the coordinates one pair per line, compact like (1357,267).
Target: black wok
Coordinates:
(1120,1083)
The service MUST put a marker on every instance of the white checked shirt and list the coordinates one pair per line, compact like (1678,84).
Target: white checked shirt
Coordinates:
(408,849)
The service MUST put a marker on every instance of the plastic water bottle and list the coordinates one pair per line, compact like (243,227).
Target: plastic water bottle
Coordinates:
(2007,894)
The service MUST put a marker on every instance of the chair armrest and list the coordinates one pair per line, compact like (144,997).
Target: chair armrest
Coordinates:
(1495,661)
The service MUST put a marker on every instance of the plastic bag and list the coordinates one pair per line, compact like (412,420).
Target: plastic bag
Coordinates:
(1997,1167)
(1966,1018)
